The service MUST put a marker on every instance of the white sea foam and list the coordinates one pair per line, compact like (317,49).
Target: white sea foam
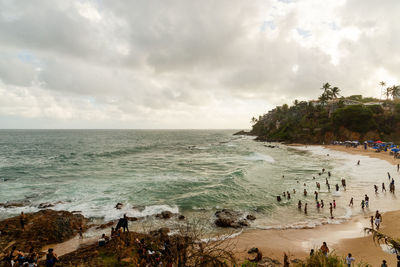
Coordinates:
(255,156)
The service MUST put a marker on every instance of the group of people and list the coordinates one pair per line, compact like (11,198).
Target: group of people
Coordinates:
(30,259)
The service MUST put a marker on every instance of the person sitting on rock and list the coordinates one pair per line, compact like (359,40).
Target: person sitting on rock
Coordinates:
(51,258)
(103,240)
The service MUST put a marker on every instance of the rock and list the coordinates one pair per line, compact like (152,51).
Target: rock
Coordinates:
(160,232)
(268,262)
(250,217)
(46,205)
(119,206)
(42,228)
(181,217)
(132,219)
(9,204)
(252,250)
(229,218)
(105,225)
(242,133)
(166,214)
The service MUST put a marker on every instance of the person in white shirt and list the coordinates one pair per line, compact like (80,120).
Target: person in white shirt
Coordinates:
(349,260)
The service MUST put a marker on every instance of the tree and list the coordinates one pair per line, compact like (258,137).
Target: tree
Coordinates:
(323,98)
(395,91)
(254,120)
(388,92)
(326,87)
(335,92)
(382,84)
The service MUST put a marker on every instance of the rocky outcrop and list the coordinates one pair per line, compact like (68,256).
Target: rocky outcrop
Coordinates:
(42,228)
(242,133)
(229,218)
(9,204)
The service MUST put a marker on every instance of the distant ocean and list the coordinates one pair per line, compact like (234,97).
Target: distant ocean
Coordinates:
(193,172)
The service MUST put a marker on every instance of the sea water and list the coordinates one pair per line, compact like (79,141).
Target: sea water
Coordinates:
(193,172)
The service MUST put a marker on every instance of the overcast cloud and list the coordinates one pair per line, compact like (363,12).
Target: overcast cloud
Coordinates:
(186,64)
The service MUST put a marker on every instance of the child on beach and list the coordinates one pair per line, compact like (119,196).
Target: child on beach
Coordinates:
(349,260)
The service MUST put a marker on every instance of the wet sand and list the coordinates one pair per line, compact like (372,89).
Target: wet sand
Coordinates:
(345,238)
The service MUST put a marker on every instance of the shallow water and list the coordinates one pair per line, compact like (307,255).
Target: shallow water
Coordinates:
(191,172)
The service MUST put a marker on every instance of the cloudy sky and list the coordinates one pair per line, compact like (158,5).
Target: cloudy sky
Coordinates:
(186,63)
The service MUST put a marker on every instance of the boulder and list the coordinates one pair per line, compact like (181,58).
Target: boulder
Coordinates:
(42,228)
(229,218)
(105,225)
(181,217)
(250,217)
(166,214)
(132,219)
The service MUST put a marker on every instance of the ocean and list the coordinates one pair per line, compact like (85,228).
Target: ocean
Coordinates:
(193,172)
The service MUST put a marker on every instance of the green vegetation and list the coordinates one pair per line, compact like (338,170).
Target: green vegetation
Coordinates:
(333,118)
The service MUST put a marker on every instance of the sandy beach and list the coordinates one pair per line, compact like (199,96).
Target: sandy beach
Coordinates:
(344,238)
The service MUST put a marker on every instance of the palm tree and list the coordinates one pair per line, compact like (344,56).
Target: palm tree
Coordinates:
(395,91)
(326,87)
(323,98)
(388,92)
(381,238)
(335,92)
(254,120)
(382,84)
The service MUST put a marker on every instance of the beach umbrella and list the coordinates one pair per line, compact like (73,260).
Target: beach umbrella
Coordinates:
(379,142)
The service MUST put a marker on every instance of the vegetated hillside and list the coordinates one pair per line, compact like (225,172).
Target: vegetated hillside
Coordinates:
(351,118)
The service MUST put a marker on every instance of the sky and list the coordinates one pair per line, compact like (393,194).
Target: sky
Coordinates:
(186,64)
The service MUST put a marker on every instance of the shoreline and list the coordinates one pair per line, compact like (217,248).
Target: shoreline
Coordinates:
(343,238)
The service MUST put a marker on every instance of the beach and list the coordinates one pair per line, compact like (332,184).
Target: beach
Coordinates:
(348,237)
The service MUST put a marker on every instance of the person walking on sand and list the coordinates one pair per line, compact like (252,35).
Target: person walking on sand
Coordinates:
(378,219)
(351,202)
(324,249)
(376,188)
(331,210)
(383,187)
(349,260)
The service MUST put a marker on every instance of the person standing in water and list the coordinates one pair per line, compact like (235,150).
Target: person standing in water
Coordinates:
(299,205)
(334,204)
(366,201)
(383,187)
(322,203)
(305,208)
(351,202)
(362,203)
(376,188)
(344,183)
(331,210)
(316,195)
(305,192)
(358,162)
(389,175)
